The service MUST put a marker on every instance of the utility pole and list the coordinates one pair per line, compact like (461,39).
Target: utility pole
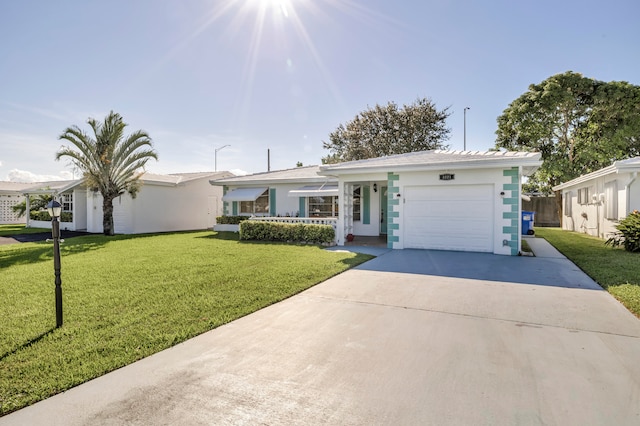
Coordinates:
(465,127)
(215,157)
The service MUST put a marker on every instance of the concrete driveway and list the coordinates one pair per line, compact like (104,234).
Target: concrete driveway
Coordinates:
(411,337)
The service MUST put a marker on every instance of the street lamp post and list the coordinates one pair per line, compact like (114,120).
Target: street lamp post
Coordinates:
(215,157)
(465,127)
(55,208)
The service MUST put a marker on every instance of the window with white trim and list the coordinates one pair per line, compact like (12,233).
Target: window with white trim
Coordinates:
(567,203)
(326,206)
(67,202)
(611,200)
(258,207)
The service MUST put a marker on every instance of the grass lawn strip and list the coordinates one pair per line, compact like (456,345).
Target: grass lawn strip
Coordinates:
(127,297)
(616,270)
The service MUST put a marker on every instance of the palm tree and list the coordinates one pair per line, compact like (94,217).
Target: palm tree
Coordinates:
(111,163)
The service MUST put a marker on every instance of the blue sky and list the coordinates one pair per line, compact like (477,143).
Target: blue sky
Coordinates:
(282,74)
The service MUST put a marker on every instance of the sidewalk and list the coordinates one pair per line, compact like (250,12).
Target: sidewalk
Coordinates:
(542,248)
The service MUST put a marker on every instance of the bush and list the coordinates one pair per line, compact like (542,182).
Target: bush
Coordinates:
(288,232)
(628,234)
(43,215)
(230,220)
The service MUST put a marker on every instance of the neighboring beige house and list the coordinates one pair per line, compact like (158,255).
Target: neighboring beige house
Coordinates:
(594,203)
(174,202)
(444,200)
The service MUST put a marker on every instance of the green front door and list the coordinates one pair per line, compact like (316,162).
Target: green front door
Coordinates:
(383,210)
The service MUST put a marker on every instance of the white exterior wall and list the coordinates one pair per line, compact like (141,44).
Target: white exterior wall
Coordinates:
(492,177)
(7,215)
(193,205)
(286,205)
(359,227)
(504,230)
(590,218)
(633,194)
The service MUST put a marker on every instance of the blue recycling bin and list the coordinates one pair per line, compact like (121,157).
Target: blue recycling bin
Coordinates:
(527,223)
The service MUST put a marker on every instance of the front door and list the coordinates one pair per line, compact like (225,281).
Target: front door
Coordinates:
(383,210)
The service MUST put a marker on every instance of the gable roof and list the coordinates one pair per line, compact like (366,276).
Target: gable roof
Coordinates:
(438,160)
(297,174)
(621,166)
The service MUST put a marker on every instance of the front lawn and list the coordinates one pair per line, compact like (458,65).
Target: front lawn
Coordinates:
(127,297)
(615,269)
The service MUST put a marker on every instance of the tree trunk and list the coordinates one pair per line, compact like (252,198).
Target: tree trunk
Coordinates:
(559,204)
(107,215)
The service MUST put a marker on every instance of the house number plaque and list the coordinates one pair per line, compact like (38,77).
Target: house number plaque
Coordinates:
(447,176)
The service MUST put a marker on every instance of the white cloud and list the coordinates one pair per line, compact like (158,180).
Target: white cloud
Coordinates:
(16,175)
(238,172)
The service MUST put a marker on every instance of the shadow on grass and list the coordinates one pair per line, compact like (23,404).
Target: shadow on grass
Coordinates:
(27,344)
(19,254)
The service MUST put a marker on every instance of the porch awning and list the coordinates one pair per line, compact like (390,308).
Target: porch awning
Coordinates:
(315,191)
(244,194)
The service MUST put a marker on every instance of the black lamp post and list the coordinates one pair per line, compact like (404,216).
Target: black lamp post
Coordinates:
(55,208)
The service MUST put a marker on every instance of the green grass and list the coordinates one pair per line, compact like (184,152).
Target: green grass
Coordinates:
(127,297)
(10,230)
(615,269)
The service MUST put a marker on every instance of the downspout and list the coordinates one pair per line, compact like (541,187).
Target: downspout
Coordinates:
(634,175)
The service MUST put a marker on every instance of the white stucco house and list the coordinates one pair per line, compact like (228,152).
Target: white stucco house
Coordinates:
(10,195)
(165,203)
(595,202)
(445,200)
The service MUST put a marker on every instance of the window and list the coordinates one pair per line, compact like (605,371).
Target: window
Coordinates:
(583,196)
(567,203)
(356,203)
(258,207)
(611,200)
(67,202)
(323,206)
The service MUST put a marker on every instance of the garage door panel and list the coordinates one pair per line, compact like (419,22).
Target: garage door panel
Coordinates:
(449,218)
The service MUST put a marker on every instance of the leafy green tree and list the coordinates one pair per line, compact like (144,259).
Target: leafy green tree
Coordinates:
(35,204)
(578,124)
(389,129)
(111,162)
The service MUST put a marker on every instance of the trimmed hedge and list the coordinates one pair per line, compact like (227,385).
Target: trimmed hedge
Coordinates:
(288,232)
(230,220)
(43,215)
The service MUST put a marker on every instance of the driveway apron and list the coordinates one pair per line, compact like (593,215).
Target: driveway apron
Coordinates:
(410,337)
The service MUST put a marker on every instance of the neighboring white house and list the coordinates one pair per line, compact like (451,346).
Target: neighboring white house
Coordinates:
(595,202)
(175,202)
(10,195)
(445,200)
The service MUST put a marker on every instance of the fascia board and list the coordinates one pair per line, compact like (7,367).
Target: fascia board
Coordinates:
(431,167)
(319,179)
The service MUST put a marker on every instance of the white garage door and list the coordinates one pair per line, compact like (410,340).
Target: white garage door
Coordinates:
(449,217)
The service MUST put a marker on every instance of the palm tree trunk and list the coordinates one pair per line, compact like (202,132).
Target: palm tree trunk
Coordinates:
(107,215)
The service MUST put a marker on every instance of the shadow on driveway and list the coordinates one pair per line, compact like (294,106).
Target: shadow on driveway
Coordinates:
(483,266)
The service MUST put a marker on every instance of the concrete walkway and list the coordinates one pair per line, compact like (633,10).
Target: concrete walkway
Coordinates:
(410,337)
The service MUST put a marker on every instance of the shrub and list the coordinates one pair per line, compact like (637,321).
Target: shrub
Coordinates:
(628,234)
(288,232)
(230,220)
(43,215)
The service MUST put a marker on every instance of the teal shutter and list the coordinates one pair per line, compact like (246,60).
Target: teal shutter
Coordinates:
(301,207)
(272,202)
(366,205)
(235,208)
